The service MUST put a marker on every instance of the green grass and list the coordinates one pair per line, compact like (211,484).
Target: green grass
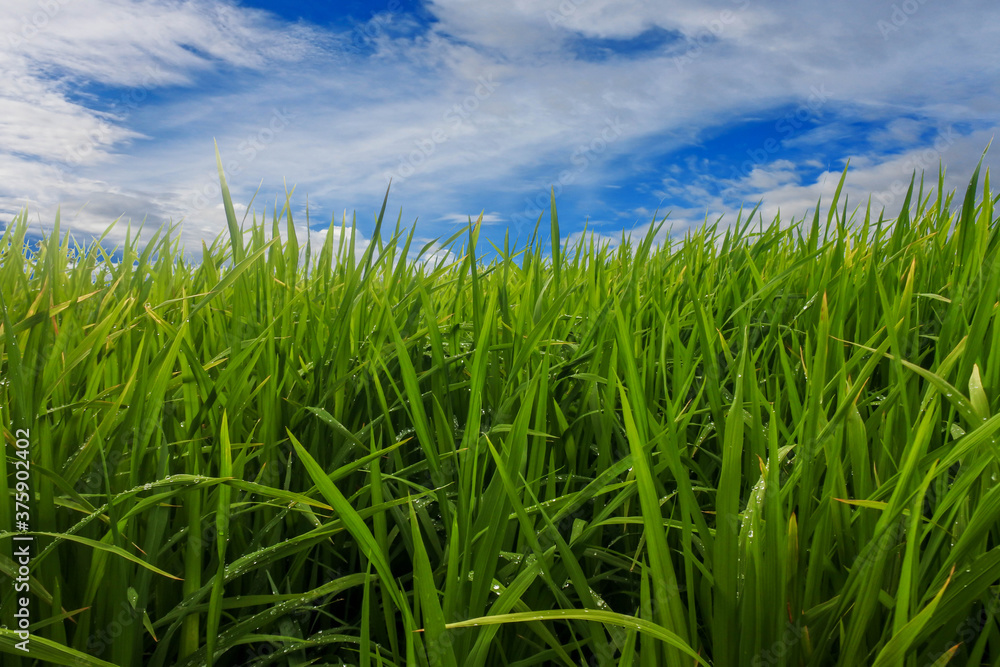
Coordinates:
(774,443)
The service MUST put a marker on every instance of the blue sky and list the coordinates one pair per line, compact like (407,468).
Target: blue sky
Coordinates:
(110,108)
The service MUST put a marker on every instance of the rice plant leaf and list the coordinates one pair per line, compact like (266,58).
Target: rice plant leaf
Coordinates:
(598,616)
(235,234)
(352,521)
(231,276)
(51,652)
(441,652)
(896,649)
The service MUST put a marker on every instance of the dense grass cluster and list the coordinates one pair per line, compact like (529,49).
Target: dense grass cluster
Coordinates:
(769,444)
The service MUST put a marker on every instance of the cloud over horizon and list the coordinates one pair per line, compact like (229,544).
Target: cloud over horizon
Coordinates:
(111,108)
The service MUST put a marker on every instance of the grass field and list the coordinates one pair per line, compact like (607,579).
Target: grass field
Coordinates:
(774,443)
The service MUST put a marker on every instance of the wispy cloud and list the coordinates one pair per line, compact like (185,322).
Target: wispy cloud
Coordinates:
(111,107)
(487,218)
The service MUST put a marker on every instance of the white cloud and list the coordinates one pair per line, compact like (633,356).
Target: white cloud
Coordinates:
(418,110)
(138,43)
(463,218)
(779,172)
(54,142)
(436,256)
(885,180)
(599,240)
